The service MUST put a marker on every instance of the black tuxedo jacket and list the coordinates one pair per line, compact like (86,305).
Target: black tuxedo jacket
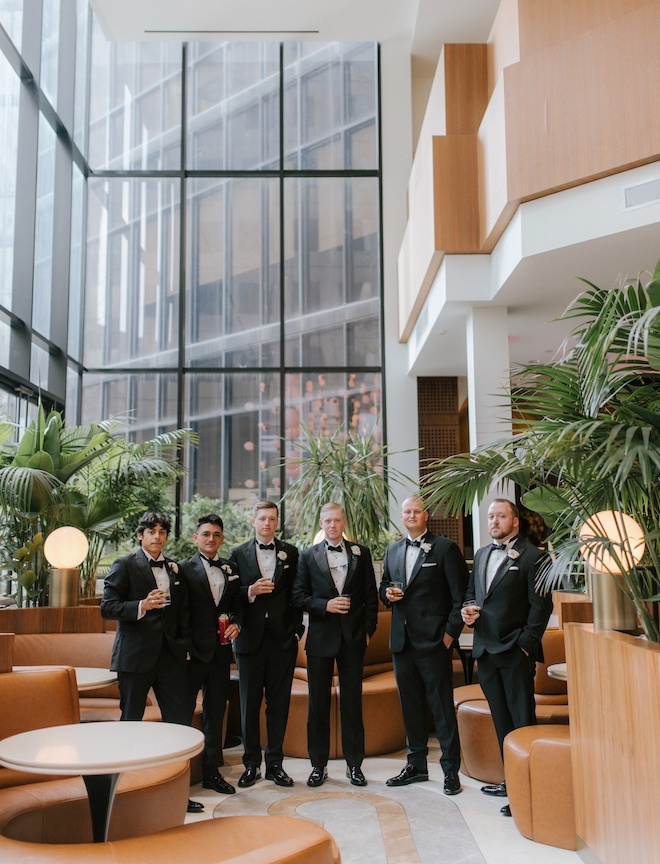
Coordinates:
(512,612)
(138,644)
(432,600)
(204,612)
(284,621)
(313,587)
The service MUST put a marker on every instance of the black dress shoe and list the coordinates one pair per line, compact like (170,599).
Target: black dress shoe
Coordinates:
(317,777)
(452,784)
(249,777)
(218,783)
(506,810)
(356,776)
(499,791)
(278,775)
(195,806)
(409,775)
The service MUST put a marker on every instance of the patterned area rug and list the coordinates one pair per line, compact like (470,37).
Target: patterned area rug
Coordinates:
(374,825)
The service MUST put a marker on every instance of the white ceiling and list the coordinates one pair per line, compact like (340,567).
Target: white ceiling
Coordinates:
(424,24)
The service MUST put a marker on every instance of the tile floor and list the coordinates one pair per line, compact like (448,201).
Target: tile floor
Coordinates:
(496,840)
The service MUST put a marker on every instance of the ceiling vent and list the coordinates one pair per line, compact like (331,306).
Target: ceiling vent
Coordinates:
(644,193)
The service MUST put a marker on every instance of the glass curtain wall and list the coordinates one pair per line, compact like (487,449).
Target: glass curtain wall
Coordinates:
(232,257)
(198,228)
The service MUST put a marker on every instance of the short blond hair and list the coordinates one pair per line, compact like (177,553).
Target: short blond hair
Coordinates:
(331,505)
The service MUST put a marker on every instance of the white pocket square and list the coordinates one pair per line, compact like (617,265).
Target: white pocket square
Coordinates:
(431,564)
(514,568)
(286,565)
(231,578)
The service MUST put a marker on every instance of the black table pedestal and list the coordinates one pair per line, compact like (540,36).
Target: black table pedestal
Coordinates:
(101,793)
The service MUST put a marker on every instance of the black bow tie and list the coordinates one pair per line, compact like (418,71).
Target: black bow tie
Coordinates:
(335,548)
(410,542)
(158,565)
(499,546)
(269,546)
(215,562)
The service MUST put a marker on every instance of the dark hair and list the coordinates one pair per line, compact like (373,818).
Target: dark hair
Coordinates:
(265,505)
(212,519)
(514,509)
(150,520)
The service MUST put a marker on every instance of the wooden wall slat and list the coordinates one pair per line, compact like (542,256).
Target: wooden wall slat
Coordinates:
(46,619)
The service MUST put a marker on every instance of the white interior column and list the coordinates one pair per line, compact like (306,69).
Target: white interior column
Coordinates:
(489,416)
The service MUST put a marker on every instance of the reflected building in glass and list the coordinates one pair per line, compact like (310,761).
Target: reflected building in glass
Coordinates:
(206,239)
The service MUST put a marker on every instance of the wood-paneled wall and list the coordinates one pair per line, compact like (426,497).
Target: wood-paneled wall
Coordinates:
(614,693)
(46,619)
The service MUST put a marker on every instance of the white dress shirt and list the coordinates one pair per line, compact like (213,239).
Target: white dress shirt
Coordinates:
(266,562)
(161,576)
(338,564)
(412,554)
(216,579)
(495,558)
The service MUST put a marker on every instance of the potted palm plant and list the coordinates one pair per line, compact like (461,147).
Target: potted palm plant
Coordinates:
(349,469)
(587,440)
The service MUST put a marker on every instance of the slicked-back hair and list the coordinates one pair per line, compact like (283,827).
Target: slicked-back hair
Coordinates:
(514,509)
(265,505)
(151,519)
(331,505)
(212,519)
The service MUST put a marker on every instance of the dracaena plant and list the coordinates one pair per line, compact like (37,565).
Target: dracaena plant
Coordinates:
(587,438)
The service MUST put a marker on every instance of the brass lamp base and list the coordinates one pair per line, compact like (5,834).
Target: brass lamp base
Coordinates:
(64,587)
(612,607)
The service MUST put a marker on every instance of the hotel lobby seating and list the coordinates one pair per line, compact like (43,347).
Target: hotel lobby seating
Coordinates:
(539,782)
(480,752)
(384,731)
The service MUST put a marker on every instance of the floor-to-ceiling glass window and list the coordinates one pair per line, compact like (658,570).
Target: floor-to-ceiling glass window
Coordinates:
(189,235)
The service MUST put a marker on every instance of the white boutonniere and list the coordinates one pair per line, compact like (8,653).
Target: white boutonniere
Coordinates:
(356,550)
(226,568)
(513,554)
(425,547)
(282,555)
(174,567)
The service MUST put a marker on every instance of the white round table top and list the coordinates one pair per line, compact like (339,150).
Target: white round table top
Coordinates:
(87,677)
(100,748)
(558,671)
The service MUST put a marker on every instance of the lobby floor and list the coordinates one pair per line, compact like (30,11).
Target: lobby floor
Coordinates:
(376,825)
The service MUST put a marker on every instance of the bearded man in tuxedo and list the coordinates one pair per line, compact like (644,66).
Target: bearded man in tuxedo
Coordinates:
(509,617)
(424,580)
(336,586)
(267,646)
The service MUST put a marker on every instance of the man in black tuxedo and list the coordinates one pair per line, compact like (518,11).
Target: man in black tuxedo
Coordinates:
(267,646)
(145,593)
(424,580)
(213,590)
(336,586)
(509,617)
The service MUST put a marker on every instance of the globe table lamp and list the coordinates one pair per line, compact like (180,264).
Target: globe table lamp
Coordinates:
(65,549)
(612,608)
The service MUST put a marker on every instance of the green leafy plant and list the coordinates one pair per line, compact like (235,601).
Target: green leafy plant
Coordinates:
(587,438)
(348,469)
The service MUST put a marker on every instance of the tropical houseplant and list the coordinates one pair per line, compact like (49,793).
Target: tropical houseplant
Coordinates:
(349,469)
(586,439)
(84,476)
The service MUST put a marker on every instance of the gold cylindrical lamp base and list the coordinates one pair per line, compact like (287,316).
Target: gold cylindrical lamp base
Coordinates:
(612,608)
(64,587)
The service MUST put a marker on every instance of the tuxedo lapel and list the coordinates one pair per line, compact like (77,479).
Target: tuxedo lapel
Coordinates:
(421,558)
(252,561)
(279,563)
(400,561)
(352,565)
(144,566)
(480,576)
(202,578)
(321,558)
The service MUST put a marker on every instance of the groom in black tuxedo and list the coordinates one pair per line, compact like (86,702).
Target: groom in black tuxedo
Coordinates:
(336,586)
(267,646)
(509,617)
(430,575)
(213,589)
(146,594)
